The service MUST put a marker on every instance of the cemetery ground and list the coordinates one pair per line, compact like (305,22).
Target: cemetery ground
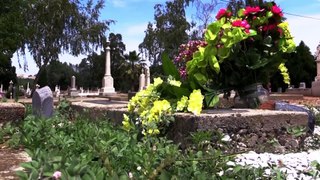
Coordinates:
(82,147)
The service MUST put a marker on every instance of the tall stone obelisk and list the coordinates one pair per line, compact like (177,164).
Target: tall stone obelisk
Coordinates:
(315,87)
(107,81)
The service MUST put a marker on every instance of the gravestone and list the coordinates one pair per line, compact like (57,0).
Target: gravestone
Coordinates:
(42,102)
(1,88)
(73,90)
(302,85)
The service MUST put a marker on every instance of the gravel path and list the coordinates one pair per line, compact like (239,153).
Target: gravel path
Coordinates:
(294,164)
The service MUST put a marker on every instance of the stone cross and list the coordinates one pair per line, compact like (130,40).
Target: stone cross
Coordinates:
(42,102)
(142,80)
(107,82)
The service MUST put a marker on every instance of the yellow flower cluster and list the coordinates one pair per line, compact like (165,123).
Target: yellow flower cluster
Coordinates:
(286,44)
(194,104)
(284,72)
(152,111)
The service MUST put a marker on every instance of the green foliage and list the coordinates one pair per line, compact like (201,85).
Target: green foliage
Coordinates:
(297,131)
(169,68)
(84,149)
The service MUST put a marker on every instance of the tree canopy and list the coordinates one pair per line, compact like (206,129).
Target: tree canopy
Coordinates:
(48,28)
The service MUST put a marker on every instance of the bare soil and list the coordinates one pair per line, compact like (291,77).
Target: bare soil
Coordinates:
(10,160)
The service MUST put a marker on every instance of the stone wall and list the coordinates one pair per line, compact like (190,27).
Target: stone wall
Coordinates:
(11,112)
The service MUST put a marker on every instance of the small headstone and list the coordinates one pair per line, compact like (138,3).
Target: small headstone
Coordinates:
(302,85)
(42,102)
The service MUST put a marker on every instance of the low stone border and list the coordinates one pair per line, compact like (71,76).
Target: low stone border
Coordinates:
(11,112)
(251,128)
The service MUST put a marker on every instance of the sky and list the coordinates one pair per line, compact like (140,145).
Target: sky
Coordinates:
(132,16)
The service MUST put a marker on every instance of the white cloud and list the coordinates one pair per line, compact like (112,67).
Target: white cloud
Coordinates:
(118,3)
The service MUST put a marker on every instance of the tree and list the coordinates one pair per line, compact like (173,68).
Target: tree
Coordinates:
(167,32)
(204,15)
(60,26)
(236,5)
(301,66)
(133,58)
(11,36)
(58,73)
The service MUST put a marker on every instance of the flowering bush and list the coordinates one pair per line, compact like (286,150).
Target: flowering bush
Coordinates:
(151,109)
(241,50)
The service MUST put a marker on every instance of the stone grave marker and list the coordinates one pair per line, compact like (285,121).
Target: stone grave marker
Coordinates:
(42,102)
(302,85)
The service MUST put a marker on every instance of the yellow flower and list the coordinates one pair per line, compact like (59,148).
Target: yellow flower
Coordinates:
(182,104)
(153,131)
(174,82)
(195,102)
(126,123)
(160,107)
(157,81)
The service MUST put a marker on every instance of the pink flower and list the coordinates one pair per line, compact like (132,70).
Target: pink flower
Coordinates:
(244,24)
(276,10)
(56,175)
(223,13)
(237,23)
(251,10)
(269,27)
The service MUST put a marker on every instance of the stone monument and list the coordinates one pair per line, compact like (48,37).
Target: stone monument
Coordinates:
(315,87)
(147,83)
(1,88)
(73,90)
(28,90)
(42,102)
(11,89)
(107,81)
(142,80)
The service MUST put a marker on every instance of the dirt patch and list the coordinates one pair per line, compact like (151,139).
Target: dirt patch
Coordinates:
(10,160)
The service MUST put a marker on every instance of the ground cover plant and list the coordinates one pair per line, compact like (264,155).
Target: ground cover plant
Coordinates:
(85,149)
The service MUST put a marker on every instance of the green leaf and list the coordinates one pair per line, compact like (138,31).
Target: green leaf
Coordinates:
(168,67)
(260,63)
(27,165)
(22,175)
(252,32)
(202,79)
(212,31)
(211,99)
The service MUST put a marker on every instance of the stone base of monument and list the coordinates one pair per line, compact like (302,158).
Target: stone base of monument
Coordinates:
(315,88)
(73,93)
(254,129)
